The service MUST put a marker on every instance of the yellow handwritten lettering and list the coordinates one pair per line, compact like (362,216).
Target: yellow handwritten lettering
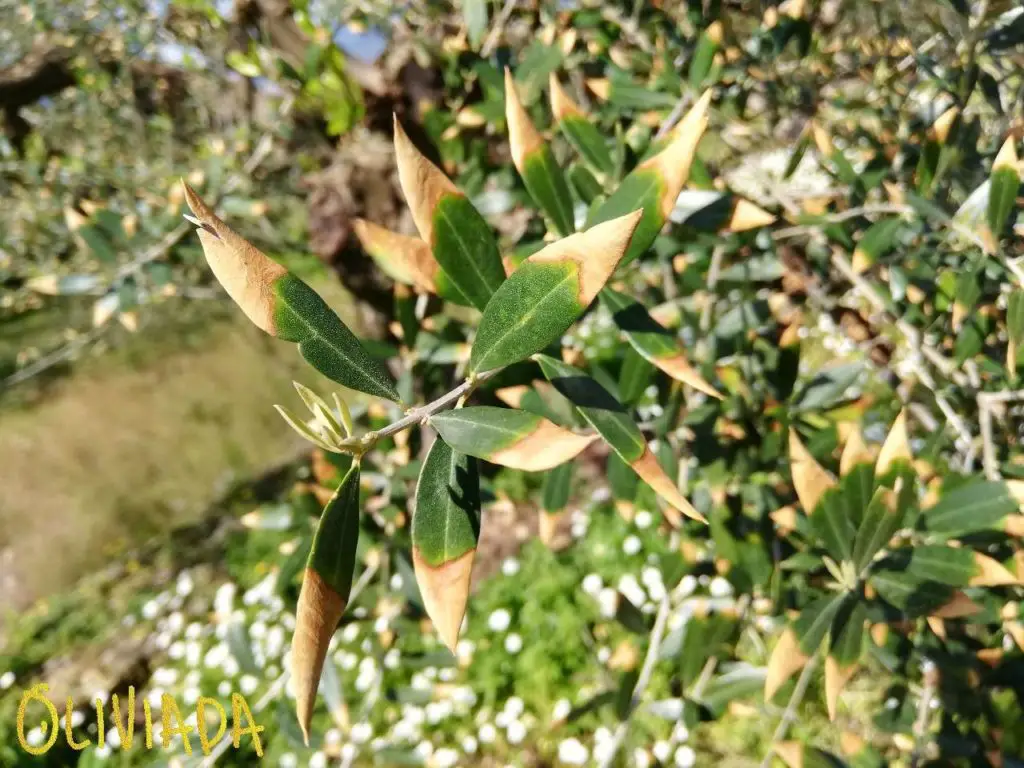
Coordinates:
(101,731)
(37,692)
(169,707)
(222,724)
(148,716)
(240,706)
(69,710)
(125,732)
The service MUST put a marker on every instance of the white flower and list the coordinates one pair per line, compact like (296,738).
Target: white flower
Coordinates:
(114,738)
(602,751)
(224,688)
(502,719)
(608,600)
(499,620)
(347,661)
(191,695)
(447,674)
(361,733)
(632,590)
(572,752)
(348,753)
(662,749)
(632,545)
(603,654)
(380,625)
(392,658)
(350,632)
(35,737)
(288,760)
(248,684)
(464,650)
(424,749)
(687,585)
(643,519)
(516,732)
(469,745)
(396,582)
(102,752)
(487,733)
(464,696)
(439,710)
(685,757)
(510,566)
(318,760)
(333,736)
(680,732)
(223,601)
(513,643)
(561,710)
(445,757)
(720,587)
(640,758)
(184,585)
(6,680)
(193,631)
(592,584)
(165,676)
(230,666)
(150,610)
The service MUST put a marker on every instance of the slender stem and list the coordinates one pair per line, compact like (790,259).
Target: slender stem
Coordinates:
(790,714)
(417,415)
(643,680)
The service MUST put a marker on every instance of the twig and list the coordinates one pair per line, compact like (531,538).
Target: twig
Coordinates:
(642,681)
(988,447)
(499,25)
(924,705)
(417,415)
(53,358)
(673,117)
(789,715)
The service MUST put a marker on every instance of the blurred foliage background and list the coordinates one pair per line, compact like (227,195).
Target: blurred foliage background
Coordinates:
(154,511)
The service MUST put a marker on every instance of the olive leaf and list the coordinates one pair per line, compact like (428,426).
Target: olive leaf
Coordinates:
(614,425)
(458,236)
(547,293)
(284,306)
(509,437)
(326,585)
(445,530)
(536,163)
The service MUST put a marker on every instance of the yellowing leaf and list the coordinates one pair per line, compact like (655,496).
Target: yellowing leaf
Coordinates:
(836,678)
(991,573)
(404,259)
(319,610)
(562,105)
(672,164)
(523,137)
(650,471)
(855,451)
(423,183)
(247,274)
(896,446)
(809,478)
(785,661)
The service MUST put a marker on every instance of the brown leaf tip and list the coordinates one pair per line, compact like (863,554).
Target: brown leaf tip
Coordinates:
(445,591)
(562,105)
(423,183)
(319,610)
(523,138)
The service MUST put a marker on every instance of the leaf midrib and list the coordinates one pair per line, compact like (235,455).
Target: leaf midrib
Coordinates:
(464,247)
(496,344)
